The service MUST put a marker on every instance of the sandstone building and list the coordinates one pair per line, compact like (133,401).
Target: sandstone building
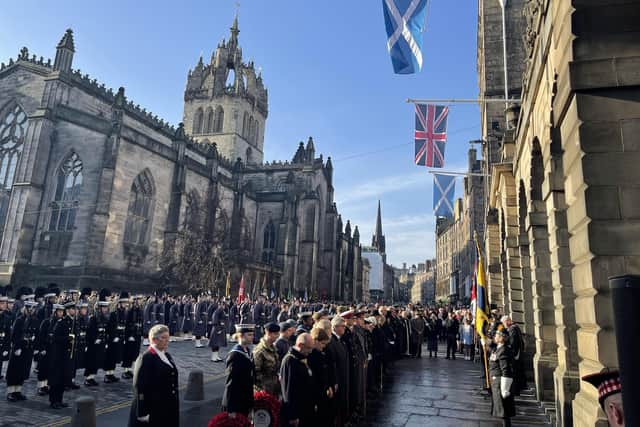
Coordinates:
(95,189)
(563,203)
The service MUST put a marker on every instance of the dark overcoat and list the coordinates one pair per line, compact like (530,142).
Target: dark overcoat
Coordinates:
(218,336)
(23,336)
(116,337)
(297,385)
(155,391)
(96,343)
(200,319)
(238,390)
(338,358)
(501,365)
(133,336)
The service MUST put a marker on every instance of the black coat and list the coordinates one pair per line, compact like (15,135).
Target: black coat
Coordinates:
(238,390)
(6,320)
(297,389)
(155,392)
(218,336)
(116,338)
(323,378)
(82,323)
(62,362)
(200,319)
(501,365)
(96,342)
(23,336)
(133,335)
(338,358)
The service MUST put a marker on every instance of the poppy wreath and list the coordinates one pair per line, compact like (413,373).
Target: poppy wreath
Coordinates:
(223,419)
(268,402)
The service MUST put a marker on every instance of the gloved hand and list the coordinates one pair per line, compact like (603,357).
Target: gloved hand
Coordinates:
(116,339)
(98,341)
(36,352)
(369,356)
(505,386)
(144,419)
(482,341)
(132,339)
(5,353)
(18,352)
(43,353)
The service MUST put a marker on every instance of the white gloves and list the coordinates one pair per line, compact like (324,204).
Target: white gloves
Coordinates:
(18,352)
(116,339)
(505,386)
(35,352)
(5,353)
(144,419)
(43,353)
(132,339)
(369,356)
(482,341)
(98,341)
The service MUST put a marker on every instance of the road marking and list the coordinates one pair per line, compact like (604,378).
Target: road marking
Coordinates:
(124,404)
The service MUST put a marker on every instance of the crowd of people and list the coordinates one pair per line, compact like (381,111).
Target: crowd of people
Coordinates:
(321,360)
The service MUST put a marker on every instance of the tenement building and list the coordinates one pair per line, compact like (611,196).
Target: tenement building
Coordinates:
(97,191)
(563,202)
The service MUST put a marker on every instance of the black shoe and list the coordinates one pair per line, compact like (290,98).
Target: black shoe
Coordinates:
(127,375)
(43,391)
(64,404)
(11,397)
(91,382)
(74,386)
(110,379)
(20,396)
(56,405)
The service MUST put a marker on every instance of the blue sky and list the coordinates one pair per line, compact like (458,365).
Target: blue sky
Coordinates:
(328,73)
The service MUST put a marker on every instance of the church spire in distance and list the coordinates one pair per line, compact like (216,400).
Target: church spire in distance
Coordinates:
(378,241)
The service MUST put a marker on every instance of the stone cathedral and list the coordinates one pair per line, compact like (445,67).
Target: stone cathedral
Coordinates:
(93,188)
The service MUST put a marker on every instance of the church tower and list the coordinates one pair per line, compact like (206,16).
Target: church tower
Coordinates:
(378,240)
(226,103)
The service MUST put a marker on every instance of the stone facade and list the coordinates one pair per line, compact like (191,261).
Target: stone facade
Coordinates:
(562,213)
(95,189)
(420,280)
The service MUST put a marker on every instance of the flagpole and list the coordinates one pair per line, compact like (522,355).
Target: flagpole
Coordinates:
(451,173)
(461,101)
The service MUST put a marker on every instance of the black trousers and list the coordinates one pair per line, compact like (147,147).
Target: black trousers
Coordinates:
(55,392)
(451,347)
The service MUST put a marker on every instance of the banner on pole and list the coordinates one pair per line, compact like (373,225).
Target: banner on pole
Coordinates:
(430,135)
(405,22)
(444,188)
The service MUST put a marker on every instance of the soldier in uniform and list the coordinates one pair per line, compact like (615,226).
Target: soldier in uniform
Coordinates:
(259,318)
(238,390)
(218,335)
(200,320)
(116,338)
(213,306)
(6,319)
(149,319)
(80,332)
(609,387)
(96,341)
(23,336)
(133,336)
(62,355)
(42,347)
(49,298)
(267,363)
(187,322)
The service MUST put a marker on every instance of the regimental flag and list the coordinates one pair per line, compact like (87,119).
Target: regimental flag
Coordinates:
(444,188)
(430,135)
(405,22)
(263,288)
(241,291)
(227,292)
(482,297)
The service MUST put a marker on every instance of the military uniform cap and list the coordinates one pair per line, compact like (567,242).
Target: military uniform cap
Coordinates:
(243,328)
(70,304)
(103,303)
(30,303)
(347,314)
(305,315)
(124,297)
(606,381)
(58,307)
(83,304)
(272,327)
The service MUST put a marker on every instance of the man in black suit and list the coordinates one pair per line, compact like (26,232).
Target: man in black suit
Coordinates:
(155,385)
(298,408)
(62,355)
(338,356)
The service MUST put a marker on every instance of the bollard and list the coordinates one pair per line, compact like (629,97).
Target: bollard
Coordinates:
(625,296)
(84,412)
(195,386)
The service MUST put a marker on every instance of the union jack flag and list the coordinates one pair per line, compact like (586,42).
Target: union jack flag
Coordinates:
(431,134)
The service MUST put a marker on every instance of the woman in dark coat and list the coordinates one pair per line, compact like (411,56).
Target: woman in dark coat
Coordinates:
(238,390)
(155,385)
(323,378)
(501,373)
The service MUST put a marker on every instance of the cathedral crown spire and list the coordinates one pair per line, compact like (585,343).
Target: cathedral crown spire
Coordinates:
(64,52)
(378,240)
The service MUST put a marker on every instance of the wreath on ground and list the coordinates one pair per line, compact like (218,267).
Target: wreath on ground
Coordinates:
(224,419)
(266,410)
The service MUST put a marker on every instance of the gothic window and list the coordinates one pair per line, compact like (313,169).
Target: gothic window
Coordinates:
(257,133)
(245,123)
(66,198)
(210,120)
(197,122)
(219,119)
(269,243)
(192,215)
(249,152)
(249,128)
(140,210)
(13,127)
(309,223)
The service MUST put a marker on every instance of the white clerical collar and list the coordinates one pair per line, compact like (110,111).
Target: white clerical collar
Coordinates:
(161,354)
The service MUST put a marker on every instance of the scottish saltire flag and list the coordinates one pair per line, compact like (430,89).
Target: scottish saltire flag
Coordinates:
(430,135)
(404,21)
(482,297)
(444,188)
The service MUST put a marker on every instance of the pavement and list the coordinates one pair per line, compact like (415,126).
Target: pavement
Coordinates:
(419,392)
